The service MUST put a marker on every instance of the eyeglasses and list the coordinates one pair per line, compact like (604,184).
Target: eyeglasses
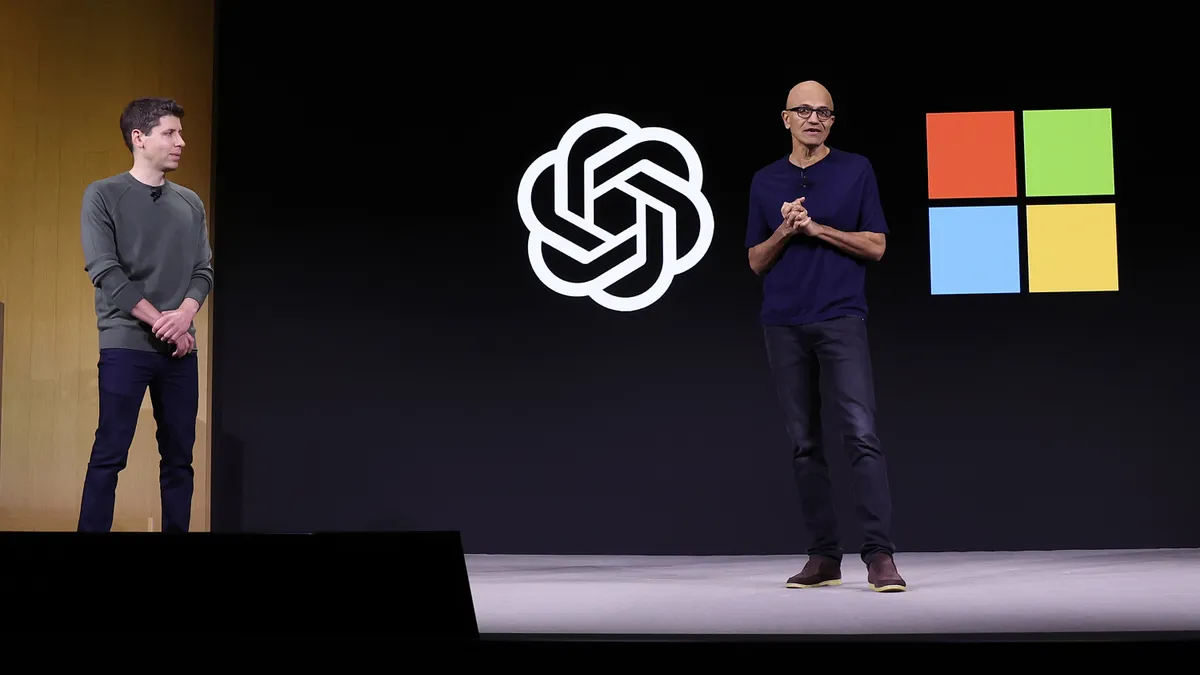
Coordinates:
(806,111)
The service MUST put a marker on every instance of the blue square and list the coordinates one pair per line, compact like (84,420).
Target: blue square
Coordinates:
(974,249)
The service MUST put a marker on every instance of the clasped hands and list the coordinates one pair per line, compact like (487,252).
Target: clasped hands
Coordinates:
(172,326)
(796,219)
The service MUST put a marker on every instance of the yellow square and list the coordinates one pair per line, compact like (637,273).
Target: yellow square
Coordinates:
(1072,247)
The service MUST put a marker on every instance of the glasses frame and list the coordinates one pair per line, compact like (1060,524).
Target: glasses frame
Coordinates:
(823,114)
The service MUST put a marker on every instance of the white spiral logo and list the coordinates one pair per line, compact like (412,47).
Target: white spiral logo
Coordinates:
(672,264)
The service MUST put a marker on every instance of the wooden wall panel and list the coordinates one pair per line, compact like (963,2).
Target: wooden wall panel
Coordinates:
(67,68)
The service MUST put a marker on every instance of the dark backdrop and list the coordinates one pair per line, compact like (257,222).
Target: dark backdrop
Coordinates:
(385,358)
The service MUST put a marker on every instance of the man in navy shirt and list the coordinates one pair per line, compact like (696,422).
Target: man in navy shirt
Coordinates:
(815,223)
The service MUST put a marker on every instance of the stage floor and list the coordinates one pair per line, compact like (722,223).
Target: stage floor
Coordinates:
(1139,592)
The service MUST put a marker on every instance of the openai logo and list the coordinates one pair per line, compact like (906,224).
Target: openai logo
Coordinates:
(673,263)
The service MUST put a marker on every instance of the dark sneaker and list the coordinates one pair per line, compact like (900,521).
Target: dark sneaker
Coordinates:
(882,575)
(820,571)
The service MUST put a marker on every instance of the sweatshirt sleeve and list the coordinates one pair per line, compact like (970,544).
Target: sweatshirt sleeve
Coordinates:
(202,269)
(100,253)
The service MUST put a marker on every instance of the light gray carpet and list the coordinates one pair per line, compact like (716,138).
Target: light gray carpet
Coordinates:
(949,593)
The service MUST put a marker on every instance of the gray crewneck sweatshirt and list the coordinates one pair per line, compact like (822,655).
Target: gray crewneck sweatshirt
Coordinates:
(141,241)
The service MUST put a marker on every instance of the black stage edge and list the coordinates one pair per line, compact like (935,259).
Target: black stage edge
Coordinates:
(385,585)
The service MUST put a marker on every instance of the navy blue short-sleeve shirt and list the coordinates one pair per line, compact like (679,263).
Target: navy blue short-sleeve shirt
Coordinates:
(813,280)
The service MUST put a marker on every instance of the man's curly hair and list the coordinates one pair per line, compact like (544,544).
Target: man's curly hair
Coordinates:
(144,114)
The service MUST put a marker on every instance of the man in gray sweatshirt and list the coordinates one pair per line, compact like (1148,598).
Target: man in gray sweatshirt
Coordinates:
(146,252)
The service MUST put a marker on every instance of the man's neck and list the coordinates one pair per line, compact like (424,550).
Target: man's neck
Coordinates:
(807,155)
(147,175)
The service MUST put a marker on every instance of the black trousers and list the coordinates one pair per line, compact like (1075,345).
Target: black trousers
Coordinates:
(174,386)
(832,357)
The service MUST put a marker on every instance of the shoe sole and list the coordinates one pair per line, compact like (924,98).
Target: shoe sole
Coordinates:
(891,588)
(831,582)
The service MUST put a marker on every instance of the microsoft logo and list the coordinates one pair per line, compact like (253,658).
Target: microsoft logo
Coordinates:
(985,237)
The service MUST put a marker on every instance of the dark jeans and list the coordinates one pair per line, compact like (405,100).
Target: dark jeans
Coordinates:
(832,358)
(174,385)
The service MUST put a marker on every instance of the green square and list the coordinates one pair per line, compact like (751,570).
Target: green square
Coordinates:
(1068,152)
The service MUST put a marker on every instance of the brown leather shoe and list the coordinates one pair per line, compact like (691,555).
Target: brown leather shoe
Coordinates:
(819,571)
(882,575)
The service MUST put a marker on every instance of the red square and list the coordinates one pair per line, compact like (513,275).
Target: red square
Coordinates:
(972,154)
